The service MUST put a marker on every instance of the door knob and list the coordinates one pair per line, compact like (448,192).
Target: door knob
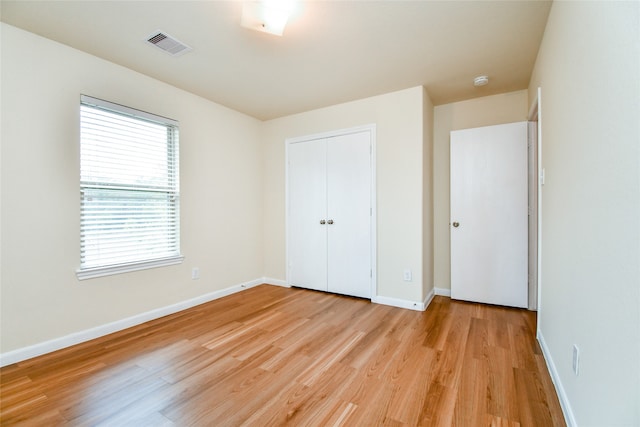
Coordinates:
(456,224)
(322,221)
(330,221)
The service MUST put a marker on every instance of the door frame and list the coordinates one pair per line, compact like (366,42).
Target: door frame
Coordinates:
(535,115)
(371,128)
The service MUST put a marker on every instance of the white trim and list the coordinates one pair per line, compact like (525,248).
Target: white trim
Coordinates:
(428,298)
(112,106)
(332,133)
(374,212)
(400,303)
(275,282)
(535,114)
(25,353)
(540,174)
(90,273)
(443,292)
(371,128)
(555,378)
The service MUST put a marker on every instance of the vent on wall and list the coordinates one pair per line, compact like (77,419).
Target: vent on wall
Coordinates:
(169,44)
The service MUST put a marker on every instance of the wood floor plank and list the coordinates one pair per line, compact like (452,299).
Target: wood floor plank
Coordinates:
(493,421)
(131,417)
(288,394)
(373,399)
(91,410)
(524,349)
(310,405)
(337,349)
(477,339)
(177,395)
(212,390)
(449,362)
(471,394)
(501,385)
(438,407)
(272,356)
(340,415)
(410,386)
(530,389)
(437,330)
(549,390)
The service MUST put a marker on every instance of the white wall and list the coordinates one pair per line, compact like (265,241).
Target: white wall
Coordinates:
(221,204)
(486,111)
(589,69)
(400,143)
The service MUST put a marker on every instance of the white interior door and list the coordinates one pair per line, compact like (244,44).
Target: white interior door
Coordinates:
(349,214)
(489,214)
(307,208)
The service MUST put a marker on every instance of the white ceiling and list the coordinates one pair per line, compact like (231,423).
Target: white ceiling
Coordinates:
(331,51)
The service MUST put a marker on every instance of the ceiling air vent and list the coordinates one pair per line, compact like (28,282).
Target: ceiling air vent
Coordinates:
(169,44)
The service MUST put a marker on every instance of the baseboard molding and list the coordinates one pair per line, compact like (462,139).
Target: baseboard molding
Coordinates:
(443,292)
(428,299)
(39,349)
(401,303)
(394,302)
(275,282)
(555,378)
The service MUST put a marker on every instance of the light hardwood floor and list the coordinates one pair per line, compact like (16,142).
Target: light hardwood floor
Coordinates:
(272,356)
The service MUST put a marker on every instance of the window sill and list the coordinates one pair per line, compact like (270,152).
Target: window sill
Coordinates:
(90,273)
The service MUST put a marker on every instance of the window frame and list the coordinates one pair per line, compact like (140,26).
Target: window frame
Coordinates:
(83,273)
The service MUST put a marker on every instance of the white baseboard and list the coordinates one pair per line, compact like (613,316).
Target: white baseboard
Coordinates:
(443,292)
(562,396)
(401,303)
(394,302)
(428,299)
(39,349)
(275,282)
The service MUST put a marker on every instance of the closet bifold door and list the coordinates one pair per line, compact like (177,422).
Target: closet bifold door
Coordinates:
(329,213)
(307,214)
(349,210)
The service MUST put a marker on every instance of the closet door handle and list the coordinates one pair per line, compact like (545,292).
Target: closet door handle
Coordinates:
(330,221)
(322,221)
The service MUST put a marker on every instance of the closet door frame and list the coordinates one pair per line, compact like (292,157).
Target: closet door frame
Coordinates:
(371,129)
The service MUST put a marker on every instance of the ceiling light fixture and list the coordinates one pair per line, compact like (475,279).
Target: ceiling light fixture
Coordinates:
(267,16)
(480,81)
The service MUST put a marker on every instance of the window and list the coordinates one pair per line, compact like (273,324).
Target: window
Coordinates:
(129,190)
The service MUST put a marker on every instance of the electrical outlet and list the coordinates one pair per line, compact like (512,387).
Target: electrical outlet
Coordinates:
(576,360)
(407,275)
(195,273)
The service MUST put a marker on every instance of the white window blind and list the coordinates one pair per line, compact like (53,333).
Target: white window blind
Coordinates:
(129,189)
